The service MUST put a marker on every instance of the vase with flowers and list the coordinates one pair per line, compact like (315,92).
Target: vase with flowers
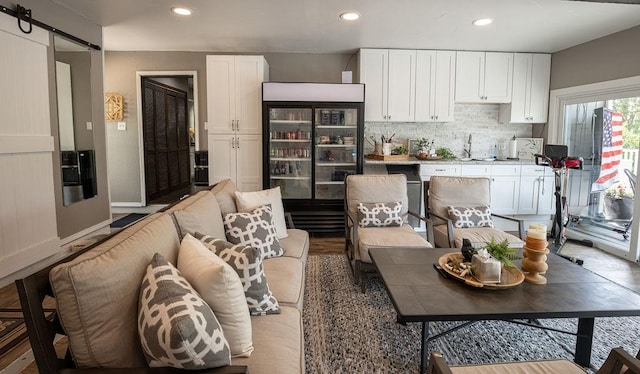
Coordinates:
(618,202)
(422,145)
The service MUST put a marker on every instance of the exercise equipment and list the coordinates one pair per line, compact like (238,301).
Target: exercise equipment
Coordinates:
(556,157)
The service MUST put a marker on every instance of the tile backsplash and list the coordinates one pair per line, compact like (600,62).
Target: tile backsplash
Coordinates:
(478,120)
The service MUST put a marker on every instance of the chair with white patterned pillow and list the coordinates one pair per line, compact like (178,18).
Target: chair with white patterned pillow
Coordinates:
(459,208)
(376,210)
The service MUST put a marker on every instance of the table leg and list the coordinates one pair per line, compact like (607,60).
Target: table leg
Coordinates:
(584,341)
(424,350)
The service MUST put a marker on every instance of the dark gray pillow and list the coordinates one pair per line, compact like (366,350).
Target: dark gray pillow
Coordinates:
(177,328)
(380,214)
(254,228)
(247,262)
(468,217)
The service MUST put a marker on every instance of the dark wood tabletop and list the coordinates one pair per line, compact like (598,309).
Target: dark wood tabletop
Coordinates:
(420,293)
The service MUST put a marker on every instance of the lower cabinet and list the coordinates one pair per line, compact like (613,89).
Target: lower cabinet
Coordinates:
(515,189)
(236,157)
(537,185)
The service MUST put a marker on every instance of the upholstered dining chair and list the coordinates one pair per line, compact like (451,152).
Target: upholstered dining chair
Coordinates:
(618,362)
(459,208)
(376,210)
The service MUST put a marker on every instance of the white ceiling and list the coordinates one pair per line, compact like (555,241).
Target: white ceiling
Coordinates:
(313,25)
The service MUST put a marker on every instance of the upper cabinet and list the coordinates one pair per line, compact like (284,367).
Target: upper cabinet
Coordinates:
(529,104)
(435,82)
(484,77)
(389,76)
(234,93)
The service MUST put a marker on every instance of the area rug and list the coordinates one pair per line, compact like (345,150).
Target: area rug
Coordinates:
(350,332)
(127,220)
(13,331)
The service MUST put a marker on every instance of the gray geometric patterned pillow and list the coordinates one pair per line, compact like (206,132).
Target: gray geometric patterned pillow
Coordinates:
(247,262)
(254,228)
(467,217)
(177,328)
(379,214)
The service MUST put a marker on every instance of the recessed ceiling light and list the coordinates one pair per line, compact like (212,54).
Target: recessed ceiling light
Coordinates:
(181,11)
(483,21)
(350,16)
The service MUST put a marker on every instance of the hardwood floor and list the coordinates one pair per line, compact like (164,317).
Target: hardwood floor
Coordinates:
(618,270)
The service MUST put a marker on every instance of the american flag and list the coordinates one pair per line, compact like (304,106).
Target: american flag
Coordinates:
(611,150)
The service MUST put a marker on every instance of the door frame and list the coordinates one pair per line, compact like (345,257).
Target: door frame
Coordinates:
(163,73)
(614,89)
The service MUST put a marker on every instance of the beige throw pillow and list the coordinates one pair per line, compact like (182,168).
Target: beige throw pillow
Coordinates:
(247,201)
(220,286)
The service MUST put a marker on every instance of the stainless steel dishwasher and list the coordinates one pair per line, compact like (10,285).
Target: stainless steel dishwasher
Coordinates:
(414,188)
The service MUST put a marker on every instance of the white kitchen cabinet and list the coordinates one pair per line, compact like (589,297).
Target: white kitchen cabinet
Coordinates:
(234,93)
(236,157)
(389,78)
(483,77)
(435,86)
(530,97)
(505,189)
(505,184)
(537,185)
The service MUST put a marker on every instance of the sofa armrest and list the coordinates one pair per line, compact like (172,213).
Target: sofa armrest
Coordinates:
(449,228)
(231,369)
(519,221)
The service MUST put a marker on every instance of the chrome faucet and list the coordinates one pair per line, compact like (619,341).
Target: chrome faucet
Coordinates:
(467,147)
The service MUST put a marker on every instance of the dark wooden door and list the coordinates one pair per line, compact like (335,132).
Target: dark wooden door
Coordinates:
(166,139)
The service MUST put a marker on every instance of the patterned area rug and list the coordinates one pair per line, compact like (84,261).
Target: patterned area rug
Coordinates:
(12,328)
(350,332)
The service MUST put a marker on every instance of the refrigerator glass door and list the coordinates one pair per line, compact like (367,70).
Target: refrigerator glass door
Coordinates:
(290,134)
(336,137)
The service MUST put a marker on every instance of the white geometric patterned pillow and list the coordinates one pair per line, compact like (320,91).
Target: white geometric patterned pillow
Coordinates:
(177,328)
(247,262)
(254,228)
(380,214)
(468,217)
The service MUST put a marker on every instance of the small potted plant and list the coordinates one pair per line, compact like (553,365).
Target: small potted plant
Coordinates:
(423,148)
(618,202)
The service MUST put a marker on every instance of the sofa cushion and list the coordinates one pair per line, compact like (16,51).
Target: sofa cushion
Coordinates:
(220,286)
(200,213)
(478,236)
(286,280)
(296,244)
(176,326)
(97,293)
(279,344)
(225,193)
(254,228)
(470,216)
(247,201)
(387,237)
(380,214)
(248,263)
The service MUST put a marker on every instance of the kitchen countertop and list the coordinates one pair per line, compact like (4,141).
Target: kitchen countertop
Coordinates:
(412,160)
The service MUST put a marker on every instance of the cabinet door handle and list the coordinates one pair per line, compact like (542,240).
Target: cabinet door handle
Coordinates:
(237,142)
(436,117)
(238,126)
(441,169)
(233,142)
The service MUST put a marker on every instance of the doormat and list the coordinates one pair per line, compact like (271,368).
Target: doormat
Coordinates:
(13,330)
(127,220)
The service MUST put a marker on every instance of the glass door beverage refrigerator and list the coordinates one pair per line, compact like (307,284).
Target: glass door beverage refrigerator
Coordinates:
(312,139)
